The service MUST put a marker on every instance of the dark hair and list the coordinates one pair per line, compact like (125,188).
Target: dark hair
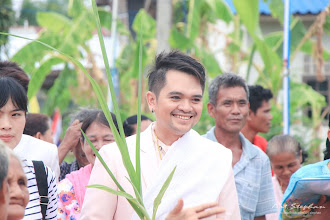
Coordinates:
(226,80)
(130,121)
(99,117)
(258,94)
(36,122)
(10,88)
(327,145)
(174,60)
(11,69)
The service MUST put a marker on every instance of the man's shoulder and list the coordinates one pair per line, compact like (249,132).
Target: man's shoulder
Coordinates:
(36,143)
(254,152)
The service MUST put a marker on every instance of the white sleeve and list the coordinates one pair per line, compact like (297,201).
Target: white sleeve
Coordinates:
(51,212)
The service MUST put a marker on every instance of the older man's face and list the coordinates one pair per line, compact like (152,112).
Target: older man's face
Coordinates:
(231,109)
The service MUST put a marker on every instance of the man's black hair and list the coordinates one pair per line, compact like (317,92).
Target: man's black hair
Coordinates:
(258,94)
(130,121)
(174,60)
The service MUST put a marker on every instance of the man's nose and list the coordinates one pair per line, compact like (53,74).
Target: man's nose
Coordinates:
(5,123)
(185,106)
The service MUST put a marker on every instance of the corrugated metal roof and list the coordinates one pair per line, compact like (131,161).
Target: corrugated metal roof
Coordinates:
(297,6)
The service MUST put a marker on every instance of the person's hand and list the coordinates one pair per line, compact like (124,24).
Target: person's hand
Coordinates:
(198,212)
(323,210)
(72,134)
(70,140)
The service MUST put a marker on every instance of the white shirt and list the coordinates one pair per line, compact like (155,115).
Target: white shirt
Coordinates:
(34,149)
(33,209)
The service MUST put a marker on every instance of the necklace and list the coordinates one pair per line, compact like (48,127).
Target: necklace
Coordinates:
(157,146)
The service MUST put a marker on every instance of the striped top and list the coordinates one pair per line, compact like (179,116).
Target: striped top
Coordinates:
(33,209)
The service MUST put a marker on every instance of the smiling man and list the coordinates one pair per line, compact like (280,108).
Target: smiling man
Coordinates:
(259,119)
(229,106)
(176,85)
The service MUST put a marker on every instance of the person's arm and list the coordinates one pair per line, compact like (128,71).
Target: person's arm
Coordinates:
(68,207)
(106,202)
(70,140)
(228,199)
(51,212)
(195,213)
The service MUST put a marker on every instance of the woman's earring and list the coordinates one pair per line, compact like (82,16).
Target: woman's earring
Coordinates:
(152,110)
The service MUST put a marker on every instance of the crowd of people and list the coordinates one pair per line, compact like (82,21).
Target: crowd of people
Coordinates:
(231,172)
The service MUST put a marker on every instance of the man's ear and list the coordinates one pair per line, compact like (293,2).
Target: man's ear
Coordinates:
(329,134)
(249,117)
(38,135)
(152,100)
(210,109)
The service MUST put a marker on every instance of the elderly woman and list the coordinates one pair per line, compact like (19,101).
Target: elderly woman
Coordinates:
(285,156)
(72,189)
(18,191)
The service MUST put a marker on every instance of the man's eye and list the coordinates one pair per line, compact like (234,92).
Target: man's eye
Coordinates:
(242,103)
(175,97)
(17,114)
(196,100)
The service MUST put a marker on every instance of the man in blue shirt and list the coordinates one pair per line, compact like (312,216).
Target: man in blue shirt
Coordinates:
(229,106)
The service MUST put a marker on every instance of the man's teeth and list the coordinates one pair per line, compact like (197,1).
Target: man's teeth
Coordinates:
(182,117)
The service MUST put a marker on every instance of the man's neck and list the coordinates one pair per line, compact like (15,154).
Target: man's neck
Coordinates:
(229,140)
(249,133)
(165,137)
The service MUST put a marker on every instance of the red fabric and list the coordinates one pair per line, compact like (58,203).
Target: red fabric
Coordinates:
(260,142)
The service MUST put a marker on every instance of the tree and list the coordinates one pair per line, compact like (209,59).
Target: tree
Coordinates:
(7,17)
(30,8)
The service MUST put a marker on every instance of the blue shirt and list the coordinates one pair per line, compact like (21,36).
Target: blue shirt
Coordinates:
(317,170)
(253,180)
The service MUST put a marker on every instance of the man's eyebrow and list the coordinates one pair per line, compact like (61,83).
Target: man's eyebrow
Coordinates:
(180,93)
(175,93)
(197,96)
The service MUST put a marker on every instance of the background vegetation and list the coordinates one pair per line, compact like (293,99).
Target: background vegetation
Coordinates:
(193,23)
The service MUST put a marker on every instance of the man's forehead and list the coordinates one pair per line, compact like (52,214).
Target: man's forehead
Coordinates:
(238,93)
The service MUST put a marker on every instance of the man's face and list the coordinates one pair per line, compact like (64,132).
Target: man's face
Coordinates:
(261,120)
(231,110)
(12,123)
(178,106)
